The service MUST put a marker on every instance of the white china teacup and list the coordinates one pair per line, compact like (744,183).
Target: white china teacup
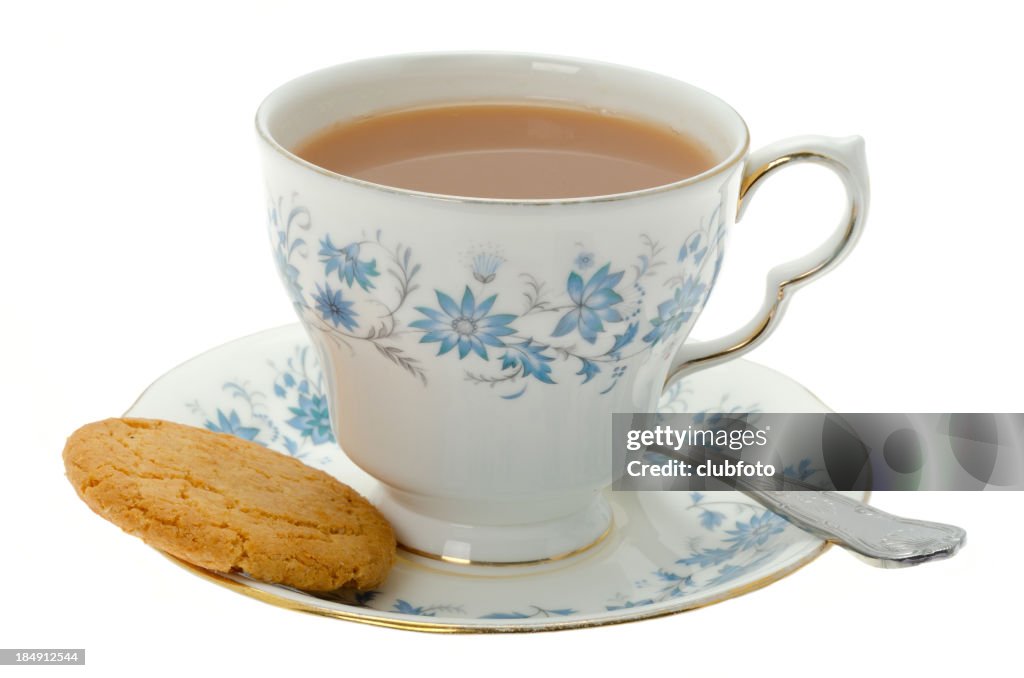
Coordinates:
(475,349)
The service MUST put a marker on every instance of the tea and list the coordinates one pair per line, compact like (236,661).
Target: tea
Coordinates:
(508,151)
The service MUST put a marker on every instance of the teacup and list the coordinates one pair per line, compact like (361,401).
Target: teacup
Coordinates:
(475,349)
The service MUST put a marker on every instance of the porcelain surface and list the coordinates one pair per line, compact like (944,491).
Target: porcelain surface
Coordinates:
(666,552)
(505,333)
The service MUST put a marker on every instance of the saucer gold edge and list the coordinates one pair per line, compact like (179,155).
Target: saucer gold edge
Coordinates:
(435,627)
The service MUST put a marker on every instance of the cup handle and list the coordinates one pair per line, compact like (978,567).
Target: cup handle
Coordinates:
(845,157)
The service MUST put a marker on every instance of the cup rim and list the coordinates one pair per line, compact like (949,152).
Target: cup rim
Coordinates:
(734,157)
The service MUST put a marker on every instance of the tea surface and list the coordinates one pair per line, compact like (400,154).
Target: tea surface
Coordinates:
(509,151)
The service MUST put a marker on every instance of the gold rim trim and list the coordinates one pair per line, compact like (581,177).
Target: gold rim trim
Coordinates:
(519,563)
(283,602)
(467,628)
(772,316)
(731,160)
(756,175)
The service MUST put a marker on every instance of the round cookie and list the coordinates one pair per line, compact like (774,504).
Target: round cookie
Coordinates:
(229,505)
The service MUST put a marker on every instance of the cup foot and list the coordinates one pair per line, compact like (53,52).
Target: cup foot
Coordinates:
(506,544)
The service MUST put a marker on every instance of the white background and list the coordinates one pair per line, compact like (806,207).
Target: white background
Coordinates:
(133,223)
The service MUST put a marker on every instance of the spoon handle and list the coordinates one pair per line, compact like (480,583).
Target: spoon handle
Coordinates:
(884,539)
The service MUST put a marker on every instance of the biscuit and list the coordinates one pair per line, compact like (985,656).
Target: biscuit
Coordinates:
(229,505)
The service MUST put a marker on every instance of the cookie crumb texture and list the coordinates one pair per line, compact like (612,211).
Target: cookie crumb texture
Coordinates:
(229,505)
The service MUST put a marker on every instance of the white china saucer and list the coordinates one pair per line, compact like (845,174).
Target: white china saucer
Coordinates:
(667,552)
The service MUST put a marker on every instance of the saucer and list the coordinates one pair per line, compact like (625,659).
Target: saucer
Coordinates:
(668,551)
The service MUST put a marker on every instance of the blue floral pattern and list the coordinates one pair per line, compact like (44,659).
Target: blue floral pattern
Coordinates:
(285,231)
(529,358)
(674,313)
(741,538)
(740,544)
(311,418)
(604,322)
(232,424)
(485,267)
(466,325)
(584,260)
(695,247)
(708,239)
(592,303)
(724,540)
(734,546)
(333,308)
(345,262)
(755,532)
(299,382)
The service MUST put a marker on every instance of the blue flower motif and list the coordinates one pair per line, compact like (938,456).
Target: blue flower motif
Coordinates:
(588,370)
(485,267)
(364,598)
(756,532)
(537,612)
(233,425)
(345,260)
(592,302)
(709,557)
(730,572)
(630,603)
(467,326)
(584,260)
(677,310)
(311,419)
(695,247)
(669,576)
(709,519)
(355,598)
(530,356)
(623,340)
(334,308)
(406,607)
(290,276)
